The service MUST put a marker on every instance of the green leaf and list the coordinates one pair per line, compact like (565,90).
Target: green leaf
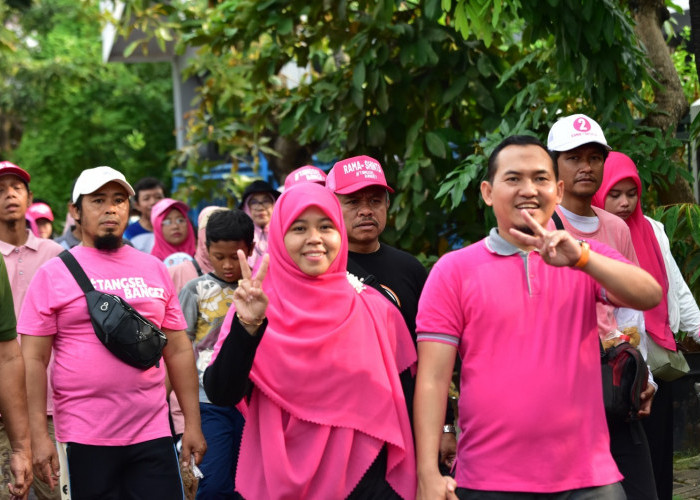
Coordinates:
(358,75)
(693,214)
(286,26)
(435,144)
(432,9)
(376,133)
(382,97)
(455,89)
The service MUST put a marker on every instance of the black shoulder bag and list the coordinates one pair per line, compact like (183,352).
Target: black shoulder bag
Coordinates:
(128,335)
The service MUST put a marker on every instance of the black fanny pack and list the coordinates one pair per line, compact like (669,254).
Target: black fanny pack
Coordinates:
(128,335)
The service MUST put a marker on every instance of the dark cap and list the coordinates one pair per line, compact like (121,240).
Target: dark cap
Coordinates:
(258,187)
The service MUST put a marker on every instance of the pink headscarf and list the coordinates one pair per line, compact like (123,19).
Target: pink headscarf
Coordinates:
(328,393)
(619,167)
(162,248)
(185,271)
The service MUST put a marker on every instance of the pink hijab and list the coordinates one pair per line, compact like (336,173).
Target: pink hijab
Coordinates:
(618,167)
(185,271)
(326,373)
(162,248)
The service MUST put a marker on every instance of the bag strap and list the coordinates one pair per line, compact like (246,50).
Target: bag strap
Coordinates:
(557,220)
(196,266)
(74,267)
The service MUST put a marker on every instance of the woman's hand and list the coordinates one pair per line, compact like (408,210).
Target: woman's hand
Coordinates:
(249,299)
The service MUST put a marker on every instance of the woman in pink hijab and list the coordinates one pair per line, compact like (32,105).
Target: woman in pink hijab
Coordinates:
(319,366)
(172,232)
(619,194)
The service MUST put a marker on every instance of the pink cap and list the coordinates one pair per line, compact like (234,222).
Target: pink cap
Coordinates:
(7,167)
(307,173)
(40,211)
(353,174)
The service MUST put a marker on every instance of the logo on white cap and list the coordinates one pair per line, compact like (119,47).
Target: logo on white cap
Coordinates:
(573,131)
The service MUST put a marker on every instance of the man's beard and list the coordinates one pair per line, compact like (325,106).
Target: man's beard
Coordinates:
(108,242)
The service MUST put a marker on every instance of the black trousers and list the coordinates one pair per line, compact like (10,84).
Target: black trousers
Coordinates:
(659,432)
(629,448)
(607,492)
(143,471)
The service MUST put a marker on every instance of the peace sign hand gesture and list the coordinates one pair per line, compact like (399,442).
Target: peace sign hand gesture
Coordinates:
(557,248)
(249,299)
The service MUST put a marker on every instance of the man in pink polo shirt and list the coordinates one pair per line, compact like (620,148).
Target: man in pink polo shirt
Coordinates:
(111,418)
(24,253)
(519,306)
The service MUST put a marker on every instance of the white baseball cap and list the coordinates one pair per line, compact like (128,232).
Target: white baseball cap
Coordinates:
(92,179)
(574,131)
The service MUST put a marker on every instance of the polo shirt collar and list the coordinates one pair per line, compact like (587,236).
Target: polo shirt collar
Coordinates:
(496,244)
(32,243)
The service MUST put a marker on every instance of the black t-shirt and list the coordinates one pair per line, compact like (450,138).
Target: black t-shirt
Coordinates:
(398,272)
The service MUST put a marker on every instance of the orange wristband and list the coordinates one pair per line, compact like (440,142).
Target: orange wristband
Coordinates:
(585,254)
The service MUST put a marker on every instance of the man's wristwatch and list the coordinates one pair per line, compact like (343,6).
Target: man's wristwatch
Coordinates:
(449,429)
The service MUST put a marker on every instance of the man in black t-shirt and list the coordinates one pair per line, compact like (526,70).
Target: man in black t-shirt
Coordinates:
(361,187)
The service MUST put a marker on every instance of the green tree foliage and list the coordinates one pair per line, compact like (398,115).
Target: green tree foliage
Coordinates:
(427,87)
(76,112)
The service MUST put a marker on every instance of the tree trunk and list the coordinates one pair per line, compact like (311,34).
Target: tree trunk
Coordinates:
(292,156)
(669,98)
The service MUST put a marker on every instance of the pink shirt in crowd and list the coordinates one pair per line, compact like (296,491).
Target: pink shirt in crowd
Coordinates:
(22,263)
(612,231)
(98,399)
(531,411)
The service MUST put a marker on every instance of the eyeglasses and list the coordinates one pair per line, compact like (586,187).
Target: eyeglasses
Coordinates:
(259,203)
(168,222)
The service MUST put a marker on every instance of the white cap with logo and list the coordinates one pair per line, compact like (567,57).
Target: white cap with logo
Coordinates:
(92,179)
(574,131)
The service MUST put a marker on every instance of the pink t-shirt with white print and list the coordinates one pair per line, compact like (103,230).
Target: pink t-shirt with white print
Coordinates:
(98,399)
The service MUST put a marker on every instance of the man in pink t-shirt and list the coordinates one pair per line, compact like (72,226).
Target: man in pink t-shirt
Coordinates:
(519,307)
(579,148)
(111,418)
(24,253)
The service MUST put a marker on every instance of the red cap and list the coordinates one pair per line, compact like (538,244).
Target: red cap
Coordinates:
(625,338)
(353,174)
(7,168)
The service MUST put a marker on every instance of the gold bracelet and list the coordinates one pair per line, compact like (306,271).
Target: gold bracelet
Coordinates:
(245,323)
(585,254)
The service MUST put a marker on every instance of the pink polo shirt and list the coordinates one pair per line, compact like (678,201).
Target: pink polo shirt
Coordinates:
(530,412)
(24,261)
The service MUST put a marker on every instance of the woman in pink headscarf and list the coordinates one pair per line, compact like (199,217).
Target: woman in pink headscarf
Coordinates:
(190,269)
(619,194)
(173,234)
(326,417)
